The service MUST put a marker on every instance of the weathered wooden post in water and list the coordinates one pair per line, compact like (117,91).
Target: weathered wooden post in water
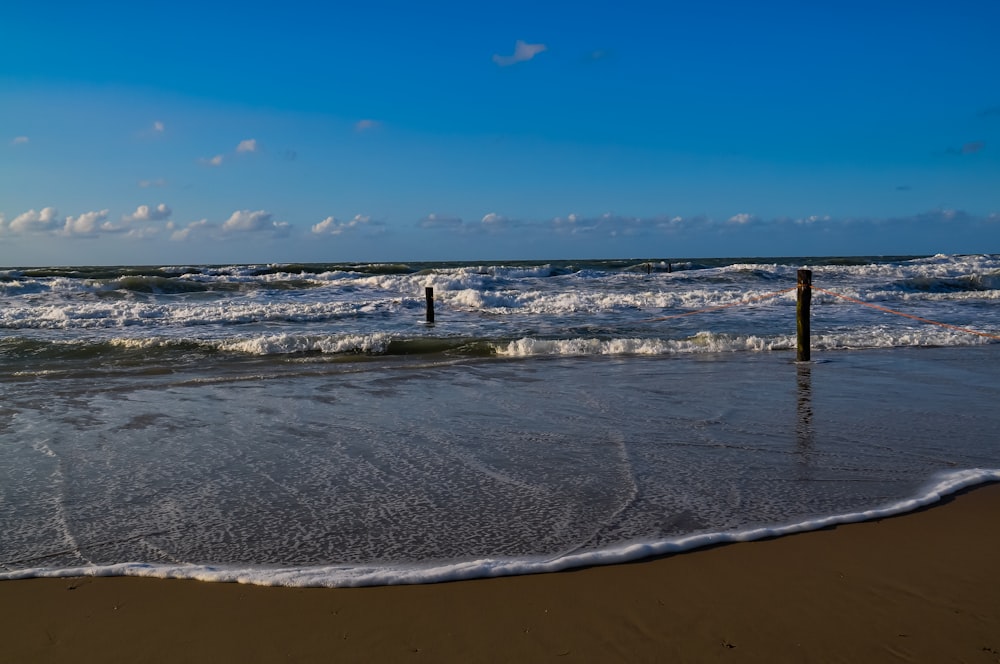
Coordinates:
(802,314)
(429,293)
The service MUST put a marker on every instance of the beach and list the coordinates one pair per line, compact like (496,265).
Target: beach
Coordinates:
(286,463)
(921,587)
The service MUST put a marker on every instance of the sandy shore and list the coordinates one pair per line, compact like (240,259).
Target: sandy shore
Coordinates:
(923,587)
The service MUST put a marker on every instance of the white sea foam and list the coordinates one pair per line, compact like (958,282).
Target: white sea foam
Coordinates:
(703,342)
(286,343)
(713,342)
(339,576)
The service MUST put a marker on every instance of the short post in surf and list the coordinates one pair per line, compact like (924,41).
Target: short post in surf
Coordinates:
(429,293)
(802,314)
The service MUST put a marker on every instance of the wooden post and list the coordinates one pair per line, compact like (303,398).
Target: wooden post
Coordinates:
(802,314)
(429,293)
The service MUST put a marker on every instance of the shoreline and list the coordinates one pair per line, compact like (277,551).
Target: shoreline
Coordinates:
(920,586)
(340,576)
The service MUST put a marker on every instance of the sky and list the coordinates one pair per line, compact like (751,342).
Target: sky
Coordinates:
(184,133)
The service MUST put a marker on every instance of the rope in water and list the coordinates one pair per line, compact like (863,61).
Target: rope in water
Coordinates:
(900,313)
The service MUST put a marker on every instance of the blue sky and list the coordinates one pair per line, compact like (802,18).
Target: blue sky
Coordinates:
(279,132)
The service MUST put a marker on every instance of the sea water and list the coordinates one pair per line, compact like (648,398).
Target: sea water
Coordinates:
(304,425)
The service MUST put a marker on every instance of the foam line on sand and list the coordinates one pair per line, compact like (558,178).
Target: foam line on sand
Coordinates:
(919,587)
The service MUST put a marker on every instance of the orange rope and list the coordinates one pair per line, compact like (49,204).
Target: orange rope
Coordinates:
(726,306)
(900,313)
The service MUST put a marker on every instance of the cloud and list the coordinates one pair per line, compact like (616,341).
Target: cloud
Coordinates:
(245,221)
(244,146)
(969,148)
(88,223)
(146,213)
(158,127)
(742,219)
(941,216)
(571,223)
(183,234)
(19,140)
(494,222)
(366,125)
(609,227)
(522,53)
(493,219)
(332,226)
(47,219)
(813,219)
(608,224)
(437,221)
(146,184)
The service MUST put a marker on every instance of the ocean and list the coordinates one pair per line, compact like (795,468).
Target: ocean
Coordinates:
(305,425)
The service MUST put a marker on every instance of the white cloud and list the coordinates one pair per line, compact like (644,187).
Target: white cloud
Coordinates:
(146,213)
(182,234)
(615,225)
(146,184)
(158,127)
(213,161)
(256,221)
(35,222)
(248,145)
(245,220)
(742,218)
(87,223)
(522,52)
(332,226)
(19,140)
(572,223)
(812,219)
(366,124)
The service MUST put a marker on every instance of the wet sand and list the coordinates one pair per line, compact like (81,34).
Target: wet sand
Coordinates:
(923,587)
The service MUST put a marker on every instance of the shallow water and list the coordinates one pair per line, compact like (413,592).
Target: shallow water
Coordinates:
(513,459)
(200,457)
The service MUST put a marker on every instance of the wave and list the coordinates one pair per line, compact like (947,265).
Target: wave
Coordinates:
(965,283)
(513,267)
(510,309)
(174,286)
(342,576)
(21,352)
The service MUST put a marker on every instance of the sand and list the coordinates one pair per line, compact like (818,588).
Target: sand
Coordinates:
(922,587)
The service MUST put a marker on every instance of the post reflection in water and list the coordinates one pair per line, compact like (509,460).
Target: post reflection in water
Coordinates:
(804,411)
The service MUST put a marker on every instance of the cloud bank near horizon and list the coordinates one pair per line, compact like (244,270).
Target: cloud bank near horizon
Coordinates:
(573,233)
